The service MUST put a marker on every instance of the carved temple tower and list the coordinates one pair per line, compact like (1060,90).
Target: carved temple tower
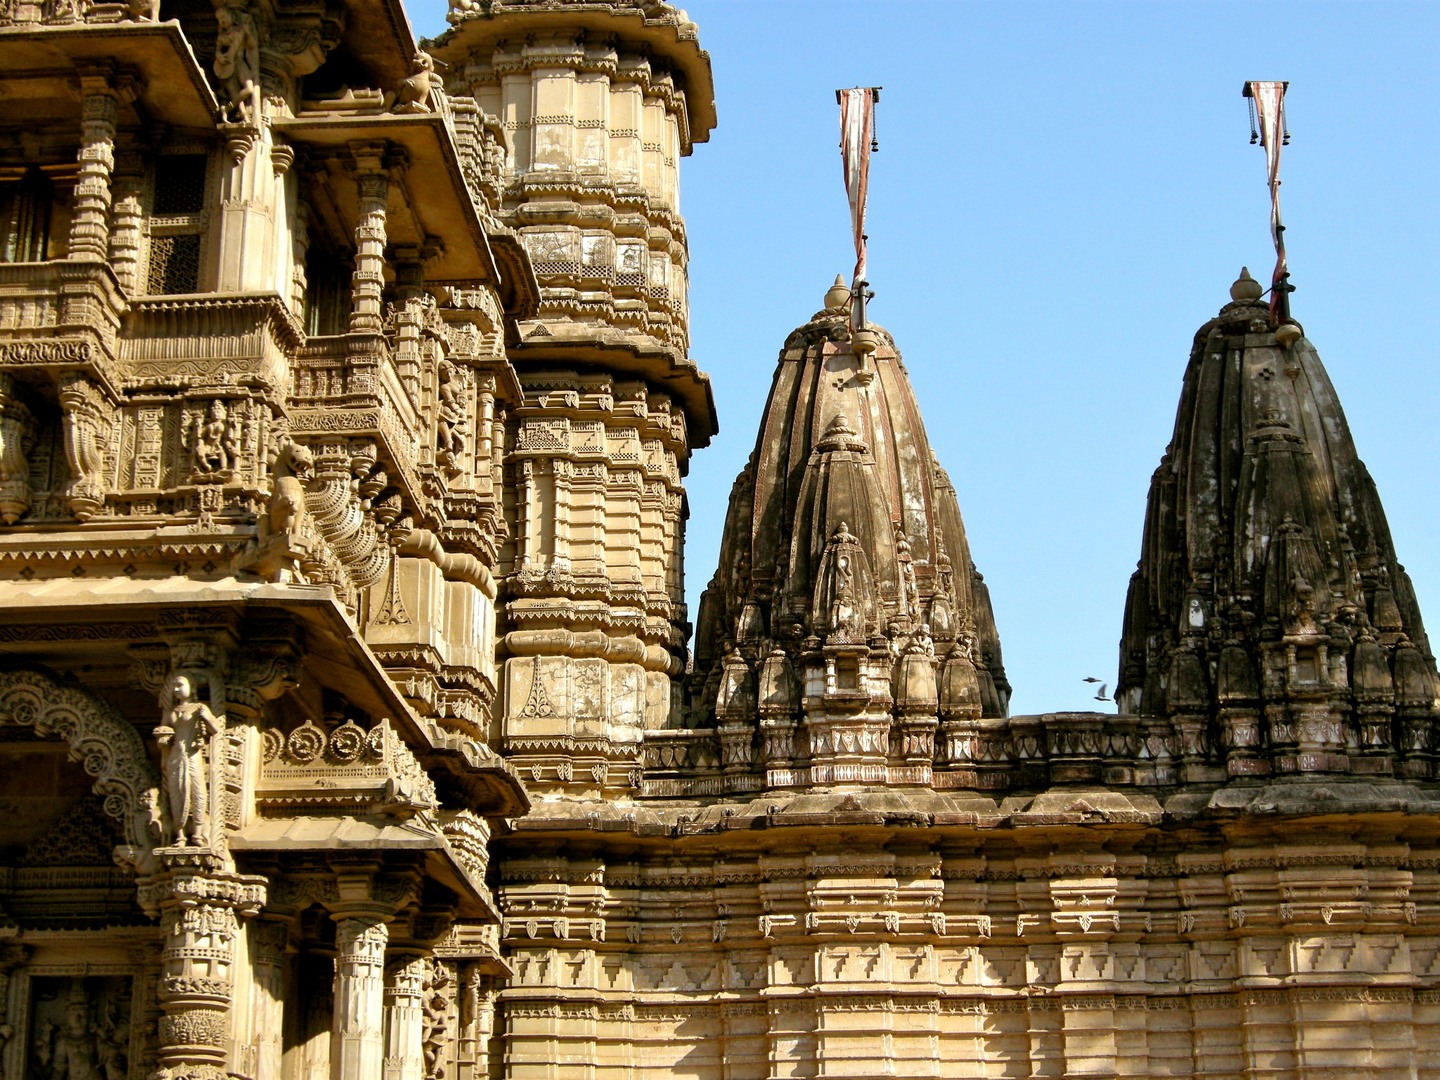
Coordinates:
(596,103)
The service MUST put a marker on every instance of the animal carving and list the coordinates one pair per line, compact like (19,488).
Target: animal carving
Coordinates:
(294,465)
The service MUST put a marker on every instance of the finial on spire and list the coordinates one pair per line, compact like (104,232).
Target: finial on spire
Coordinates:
(857,143)
(1268,128)
(1246,288)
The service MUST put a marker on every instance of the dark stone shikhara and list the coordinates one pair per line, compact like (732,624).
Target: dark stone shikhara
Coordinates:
(1269,620)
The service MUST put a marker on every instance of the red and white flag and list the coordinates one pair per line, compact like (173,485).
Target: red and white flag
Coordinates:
(1269,99)
(857,133)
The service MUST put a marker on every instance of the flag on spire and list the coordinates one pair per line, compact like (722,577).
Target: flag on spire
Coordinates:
(857,141)
(1267,125)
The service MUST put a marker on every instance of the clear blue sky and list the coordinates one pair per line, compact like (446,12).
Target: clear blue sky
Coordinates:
(1063,194)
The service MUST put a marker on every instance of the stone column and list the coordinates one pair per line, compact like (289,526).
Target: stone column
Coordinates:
(357,1040)
(405,1017)
(370,238)
(99,109)
(270,938)
(300,242)
(128,220)
(17,432)
(248,228)
(198,899)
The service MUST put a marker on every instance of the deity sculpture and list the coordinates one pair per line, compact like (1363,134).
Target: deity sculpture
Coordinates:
(436,1008)
(183,737)
(237,60)
(449,429)
(82,1050)
(213,441)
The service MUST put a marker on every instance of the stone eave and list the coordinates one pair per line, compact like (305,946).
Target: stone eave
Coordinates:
(555,343)
(519,288)
(662,37)
(1093,810)
(172,88)
(381,34)
(305,836)
(335,655)
(446,211)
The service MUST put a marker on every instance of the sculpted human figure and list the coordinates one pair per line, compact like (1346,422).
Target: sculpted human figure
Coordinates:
(449,432)
(237,60)
(213,440)
(183,737)
(81,1050)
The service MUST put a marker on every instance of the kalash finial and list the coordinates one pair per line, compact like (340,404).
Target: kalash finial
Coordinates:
(1268,128)
(1246,289)
(837,297)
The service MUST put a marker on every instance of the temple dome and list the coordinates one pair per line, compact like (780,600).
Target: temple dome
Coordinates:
(841,450)
(1268,582)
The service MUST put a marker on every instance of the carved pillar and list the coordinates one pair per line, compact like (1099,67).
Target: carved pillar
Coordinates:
(270,939)
(300,249)
(198,899)
(99,109)
(12,958)
(127,220)
(85,418)
(357,1038)
(405,1017)
(370,236)
(409,272)
(17,433)
(145,1010)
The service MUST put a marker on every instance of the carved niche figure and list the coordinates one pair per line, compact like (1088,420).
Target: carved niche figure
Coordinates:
(415,89)
(237,61)
(189,726)
(84,1049)
(449,427)
(214,441)
(436,1008)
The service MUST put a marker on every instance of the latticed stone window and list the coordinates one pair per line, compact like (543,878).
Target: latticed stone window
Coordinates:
(177,223)
(174,264)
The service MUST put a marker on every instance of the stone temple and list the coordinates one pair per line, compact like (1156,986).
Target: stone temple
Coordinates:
(349,721)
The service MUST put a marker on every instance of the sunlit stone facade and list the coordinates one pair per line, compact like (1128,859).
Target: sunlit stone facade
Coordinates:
(348,722)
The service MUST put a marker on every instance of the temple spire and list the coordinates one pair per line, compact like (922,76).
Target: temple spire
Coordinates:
(1269,617)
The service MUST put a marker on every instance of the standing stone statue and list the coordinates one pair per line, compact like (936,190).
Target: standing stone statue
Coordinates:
(183,737)
(237,61)
(450,425)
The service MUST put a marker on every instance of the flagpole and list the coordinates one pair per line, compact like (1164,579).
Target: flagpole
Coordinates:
(1268,128)
(857,143)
